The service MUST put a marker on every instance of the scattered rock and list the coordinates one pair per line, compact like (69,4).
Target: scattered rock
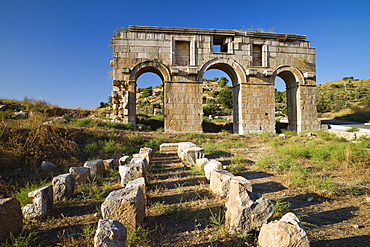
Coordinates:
(141,161)
(124,160)
(42,203)
(110,233)
(183,146)
(63,186)
(148,152)
(126,206)
(96,167)
(211,166)
(10,218)
(130,172)
(81,174)
(220,182)
(48,165)
(287,232)
(246,211)
(21,114)
(109,164)
(189,156)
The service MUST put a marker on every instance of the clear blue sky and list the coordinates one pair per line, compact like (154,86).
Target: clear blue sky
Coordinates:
(57,50)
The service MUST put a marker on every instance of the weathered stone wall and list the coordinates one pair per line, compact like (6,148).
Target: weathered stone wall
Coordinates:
(181,56)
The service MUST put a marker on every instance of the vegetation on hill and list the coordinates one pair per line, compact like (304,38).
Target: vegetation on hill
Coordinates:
(348,93)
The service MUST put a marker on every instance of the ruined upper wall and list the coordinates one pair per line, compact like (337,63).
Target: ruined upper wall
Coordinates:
(185,50)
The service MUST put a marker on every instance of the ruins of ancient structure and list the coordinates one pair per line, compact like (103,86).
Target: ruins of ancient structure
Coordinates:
(181,56)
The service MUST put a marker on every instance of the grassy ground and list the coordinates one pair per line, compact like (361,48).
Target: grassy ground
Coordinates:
(323,179)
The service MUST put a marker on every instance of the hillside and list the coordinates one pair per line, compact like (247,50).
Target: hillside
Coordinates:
(347,93)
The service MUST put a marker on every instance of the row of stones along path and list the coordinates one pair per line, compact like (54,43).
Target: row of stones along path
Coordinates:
(180,204)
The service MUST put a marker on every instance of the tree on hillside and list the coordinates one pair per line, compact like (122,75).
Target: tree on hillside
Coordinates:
(146,92)
(222,82)
(225,97)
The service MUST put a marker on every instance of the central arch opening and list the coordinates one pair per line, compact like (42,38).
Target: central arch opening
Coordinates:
(149,100)
(218,98)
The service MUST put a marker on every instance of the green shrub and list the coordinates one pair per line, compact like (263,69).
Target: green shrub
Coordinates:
(217,217)
(353,129)
(135,139)
(296,150)
(281,208)
(22,195)
(25,238)
(84,122)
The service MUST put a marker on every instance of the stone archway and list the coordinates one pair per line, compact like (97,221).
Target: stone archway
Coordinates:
(236,73)
(298,89)
(124,98)
(180,56)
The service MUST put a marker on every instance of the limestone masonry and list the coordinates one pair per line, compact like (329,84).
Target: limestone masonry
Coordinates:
(181,56)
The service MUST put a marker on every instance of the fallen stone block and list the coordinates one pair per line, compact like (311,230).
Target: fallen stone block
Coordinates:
(126,206)
(211,166)
(189,156)
(48,165)
(63,186)
(42,203)
(124,160)
(220,182)
(184,145)
(109,164)
(287,232)
(96,167)
(81,174)
(142,161)
(241,181)
(246,211)
(130,172)
(149,153)
(142,155)
(10,218)
(138,182)
(110,233)
(168,148)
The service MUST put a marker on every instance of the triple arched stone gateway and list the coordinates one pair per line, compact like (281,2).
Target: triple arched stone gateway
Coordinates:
(181,56)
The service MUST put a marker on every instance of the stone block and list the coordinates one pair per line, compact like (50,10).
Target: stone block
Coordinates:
(287,232)
(109,164)
(81,174)
(168,148)
(96,167)
(48,165)
(124,160)
(184,145)
(211,166)
(63,186)
(190,155)
(200,163)
(220,182)
(10,218)
(143,162)
(138,182)
(110,233)
(246,211)
(42,203)
(130,172)
(126,206)
(148,151)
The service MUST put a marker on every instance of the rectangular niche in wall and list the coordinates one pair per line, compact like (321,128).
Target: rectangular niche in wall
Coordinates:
(257,55)
(182,53)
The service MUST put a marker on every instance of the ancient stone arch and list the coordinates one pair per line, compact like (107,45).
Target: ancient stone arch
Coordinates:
(181,56)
